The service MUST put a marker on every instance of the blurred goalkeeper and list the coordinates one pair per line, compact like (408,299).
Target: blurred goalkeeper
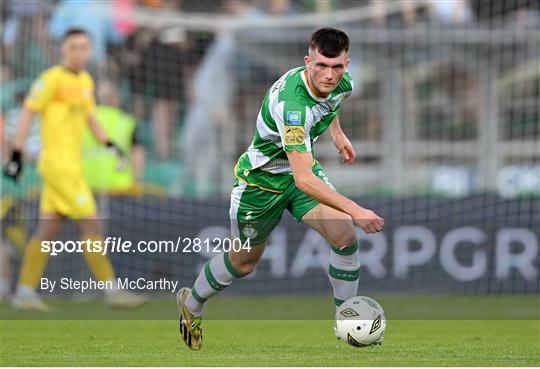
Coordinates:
(278,171)
(63,97)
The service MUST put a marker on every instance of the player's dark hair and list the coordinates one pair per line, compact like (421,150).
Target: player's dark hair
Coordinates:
(330,42)
(74,32)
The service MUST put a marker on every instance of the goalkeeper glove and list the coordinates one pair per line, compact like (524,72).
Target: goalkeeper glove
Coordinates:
(13,167)
(123,160)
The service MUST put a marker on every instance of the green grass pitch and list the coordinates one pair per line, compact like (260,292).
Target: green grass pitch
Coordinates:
(51,341)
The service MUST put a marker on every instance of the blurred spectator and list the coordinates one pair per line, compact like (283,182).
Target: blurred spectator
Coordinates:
(13,237)
(15,12)
(38,52)
(24,39)
(324,6)
(152,3)
(109,100)
(279,7)
(6,249)
(6,98)
(243,9)
(443,11)
(207,112)
(451,11)
(122,19)
(100,167)
(160,72)
(94,17)
(379,11)
(252,72)
(6,148)
(527,14)
(209,109)
(129,59)
(494,12)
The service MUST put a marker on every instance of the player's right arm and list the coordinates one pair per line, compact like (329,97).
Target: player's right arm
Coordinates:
(307,182)
(14,166)
(24,125)
(294,123)
(37,100)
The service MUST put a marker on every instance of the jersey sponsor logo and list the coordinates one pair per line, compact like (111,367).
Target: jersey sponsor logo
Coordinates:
(294,135)
(294,118)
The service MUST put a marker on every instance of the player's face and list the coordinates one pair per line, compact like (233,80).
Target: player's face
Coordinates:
(76,51)
(325,73)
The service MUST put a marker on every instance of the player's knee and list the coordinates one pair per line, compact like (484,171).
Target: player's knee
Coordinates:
(48,230)
(343,237)
(244,264)
(339,230)
(90,227)
(345,240)
(246,267)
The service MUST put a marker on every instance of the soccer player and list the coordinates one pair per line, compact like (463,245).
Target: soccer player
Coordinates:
(63,97)
(278,172)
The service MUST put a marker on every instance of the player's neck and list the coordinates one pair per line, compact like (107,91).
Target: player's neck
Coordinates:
(312,88)
(71,69)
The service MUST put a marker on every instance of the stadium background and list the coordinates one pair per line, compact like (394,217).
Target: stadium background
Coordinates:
(444,117)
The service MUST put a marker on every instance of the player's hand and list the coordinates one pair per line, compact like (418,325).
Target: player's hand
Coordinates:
(123,160)
(368,221)
(345,149)
(13,167)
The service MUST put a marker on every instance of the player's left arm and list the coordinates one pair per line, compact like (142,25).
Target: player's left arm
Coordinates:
(100,135)
(90,106)
(96,128)
(99,132)
(343,144)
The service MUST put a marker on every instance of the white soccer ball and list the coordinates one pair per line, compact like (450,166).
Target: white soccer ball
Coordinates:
(360,322)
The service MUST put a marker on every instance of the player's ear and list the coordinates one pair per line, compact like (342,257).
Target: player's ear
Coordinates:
(347,62)
(307,61)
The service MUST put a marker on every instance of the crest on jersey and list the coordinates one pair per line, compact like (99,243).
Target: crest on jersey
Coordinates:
(294,118)
(37,87)
(81,199)
(249,231)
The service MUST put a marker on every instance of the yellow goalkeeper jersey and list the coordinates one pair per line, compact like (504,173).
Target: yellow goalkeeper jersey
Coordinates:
(63,100)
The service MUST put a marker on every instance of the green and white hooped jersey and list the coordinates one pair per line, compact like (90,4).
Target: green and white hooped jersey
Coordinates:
(290,118)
